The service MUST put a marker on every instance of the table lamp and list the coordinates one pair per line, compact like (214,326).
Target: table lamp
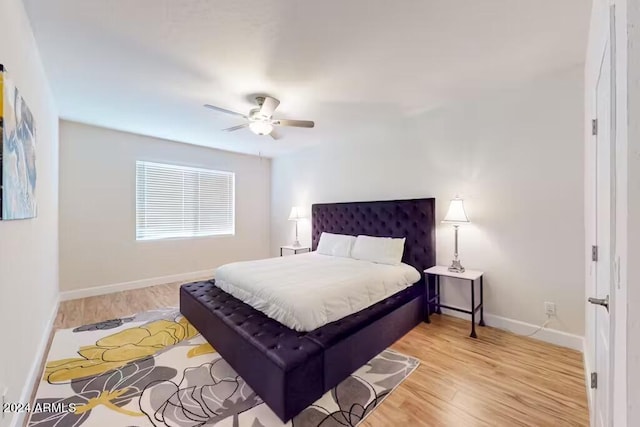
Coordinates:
(456,216)
(296,215)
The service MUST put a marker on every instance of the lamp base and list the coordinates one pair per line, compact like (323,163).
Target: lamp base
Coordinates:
(296,244)
(456,267)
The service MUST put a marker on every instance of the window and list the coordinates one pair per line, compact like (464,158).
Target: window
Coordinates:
(177,201)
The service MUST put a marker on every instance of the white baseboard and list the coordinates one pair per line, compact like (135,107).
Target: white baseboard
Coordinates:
(34,373)
(552,336)
(136,284)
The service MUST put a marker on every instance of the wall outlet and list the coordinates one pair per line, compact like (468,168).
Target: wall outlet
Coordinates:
(550,309)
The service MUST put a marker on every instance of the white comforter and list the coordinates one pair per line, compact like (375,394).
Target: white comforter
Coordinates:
(307,291)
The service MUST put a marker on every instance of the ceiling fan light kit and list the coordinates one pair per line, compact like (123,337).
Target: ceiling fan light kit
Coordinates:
(260,120)
(261,128)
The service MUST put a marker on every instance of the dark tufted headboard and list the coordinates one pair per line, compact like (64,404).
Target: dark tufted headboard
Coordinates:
(413,219)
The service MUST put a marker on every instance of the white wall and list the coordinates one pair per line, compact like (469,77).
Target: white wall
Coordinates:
(620,286)
(516,157)
(28,248)
(633,215)
(97,209)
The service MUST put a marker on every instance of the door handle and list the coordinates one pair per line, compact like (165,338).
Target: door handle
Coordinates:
(600,301)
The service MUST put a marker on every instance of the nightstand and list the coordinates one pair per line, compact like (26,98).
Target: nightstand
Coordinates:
(470,275)
(295,249)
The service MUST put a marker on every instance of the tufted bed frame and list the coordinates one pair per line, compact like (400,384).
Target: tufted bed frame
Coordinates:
(290,370)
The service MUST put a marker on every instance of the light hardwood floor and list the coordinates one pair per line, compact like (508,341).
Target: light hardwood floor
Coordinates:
(499,379)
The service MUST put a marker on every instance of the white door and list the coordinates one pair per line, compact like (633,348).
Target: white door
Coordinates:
(604,234)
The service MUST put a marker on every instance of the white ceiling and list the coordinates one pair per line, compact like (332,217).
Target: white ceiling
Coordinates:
(147,66)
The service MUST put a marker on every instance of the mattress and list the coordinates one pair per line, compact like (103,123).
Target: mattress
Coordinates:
(307,291)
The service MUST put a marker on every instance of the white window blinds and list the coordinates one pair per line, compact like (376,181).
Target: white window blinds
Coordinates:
(177,201)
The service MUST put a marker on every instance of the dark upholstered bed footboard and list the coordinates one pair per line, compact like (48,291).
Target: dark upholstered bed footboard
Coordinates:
(290,370)
(351,342)
(279,364)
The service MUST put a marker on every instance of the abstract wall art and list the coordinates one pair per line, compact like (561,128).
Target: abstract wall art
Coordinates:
(17,154)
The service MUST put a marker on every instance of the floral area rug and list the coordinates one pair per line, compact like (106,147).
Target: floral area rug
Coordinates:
(155,369)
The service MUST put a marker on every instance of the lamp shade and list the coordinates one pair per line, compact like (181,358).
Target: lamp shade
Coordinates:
(296,214)
(456,213)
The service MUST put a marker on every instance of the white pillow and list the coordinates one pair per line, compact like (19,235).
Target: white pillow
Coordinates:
(383,250)
(335,244)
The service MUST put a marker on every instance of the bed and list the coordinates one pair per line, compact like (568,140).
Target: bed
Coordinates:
(289,368)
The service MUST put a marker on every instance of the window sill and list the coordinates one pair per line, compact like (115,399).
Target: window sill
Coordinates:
(166,239)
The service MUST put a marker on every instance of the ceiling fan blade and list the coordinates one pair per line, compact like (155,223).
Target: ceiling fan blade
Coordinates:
(269,106)
(231,129)
(296,123)
(224,110)
(274,135)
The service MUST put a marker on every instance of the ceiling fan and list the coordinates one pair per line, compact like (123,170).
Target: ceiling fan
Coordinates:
(260,120)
